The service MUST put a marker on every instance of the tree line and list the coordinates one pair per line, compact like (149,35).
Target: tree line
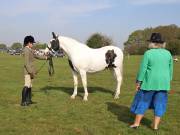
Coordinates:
(137,42)
(96,40)
(17,45)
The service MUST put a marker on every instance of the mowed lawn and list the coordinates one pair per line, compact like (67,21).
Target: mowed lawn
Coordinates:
(56,114)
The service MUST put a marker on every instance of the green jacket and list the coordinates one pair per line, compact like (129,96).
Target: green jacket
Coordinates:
(156,70)
(29,57)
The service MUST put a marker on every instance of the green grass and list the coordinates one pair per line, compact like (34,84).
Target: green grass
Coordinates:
(56,114)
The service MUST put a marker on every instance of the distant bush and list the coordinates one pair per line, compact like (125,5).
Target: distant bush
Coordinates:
(16,46)
(3,46)
(98,40)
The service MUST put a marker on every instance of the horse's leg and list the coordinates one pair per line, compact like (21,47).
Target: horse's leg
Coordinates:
(75,77)
(84,82)
(118,75)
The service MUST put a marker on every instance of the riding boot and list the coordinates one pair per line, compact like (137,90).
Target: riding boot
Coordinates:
(24,96)
(29,96)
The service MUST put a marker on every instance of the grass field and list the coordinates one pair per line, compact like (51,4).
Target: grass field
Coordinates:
(56,114)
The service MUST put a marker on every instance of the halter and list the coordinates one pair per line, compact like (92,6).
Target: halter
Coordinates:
(49,48)
(50,66)
(52,51)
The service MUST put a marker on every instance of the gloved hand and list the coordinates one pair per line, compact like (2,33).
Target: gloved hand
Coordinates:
(48,57)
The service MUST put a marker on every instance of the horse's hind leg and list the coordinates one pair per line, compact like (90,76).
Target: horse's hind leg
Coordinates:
(84,82)
(118,75)
(75,77)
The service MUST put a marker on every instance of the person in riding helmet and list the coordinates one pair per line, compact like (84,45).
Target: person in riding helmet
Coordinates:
(29,69)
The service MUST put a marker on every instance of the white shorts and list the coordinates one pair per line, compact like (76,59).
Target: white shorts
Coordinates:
(28,81)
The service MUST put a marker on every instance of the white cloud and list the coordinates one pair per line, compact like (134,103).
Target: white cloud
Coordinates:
(65,11)
(150,2)
(49,14)
(63,7)
(19,7)
(81,8)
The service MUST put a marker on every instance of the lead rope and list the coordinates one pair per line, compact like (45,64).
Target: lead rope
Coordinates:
(41,67)
(51,67)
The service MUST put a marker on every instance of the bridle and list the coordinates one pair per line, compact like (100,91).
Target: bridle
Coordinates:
(52,51)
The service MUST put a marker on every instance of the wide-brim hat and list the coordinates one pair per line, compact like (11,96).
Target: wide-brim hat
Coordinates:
(156,38)
(29,39)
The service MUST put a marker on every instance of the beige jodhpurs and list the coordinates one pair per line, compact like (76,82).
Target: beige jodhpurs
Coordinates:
(28,81)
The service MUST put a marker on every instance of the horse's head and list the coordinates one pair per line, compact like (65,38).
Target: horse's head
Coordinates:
(54,45)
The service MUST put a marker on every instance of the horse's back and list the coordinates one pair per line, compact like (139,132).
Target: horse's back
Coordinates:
(89,59)
(117,50)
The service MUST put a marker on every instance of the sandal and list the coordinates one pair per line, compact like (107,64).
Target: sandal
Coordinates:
(134,126)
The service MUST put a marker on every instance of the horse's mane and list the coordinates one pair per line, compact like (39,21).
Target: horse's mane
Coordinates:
(71,41)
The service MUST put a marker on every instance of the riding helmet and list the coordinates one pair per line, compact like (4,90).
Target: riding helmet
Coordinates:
(29,39)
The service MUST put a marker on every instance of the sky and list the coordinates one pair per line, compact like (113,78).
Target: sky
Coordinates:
(79,19)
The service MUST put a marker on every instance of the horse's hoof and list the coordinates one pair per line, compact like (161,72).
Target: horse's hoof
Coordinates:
(116,97)
(85,99)
(72,97)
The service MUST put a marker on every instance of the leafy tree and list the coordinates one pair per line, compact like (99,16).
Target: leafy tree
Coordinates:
(131,49)
(142,49)
(16,46)
(174,47)
(98,40)
(3,46)
(137,41)
(139,37)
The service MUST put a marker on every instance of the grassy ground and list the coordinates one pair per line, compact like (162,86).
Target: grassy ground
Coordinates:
(56,114)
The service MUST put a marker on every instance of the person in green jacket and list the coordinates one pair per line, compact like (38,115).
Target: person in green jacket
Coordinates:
(29,69)
(153,82)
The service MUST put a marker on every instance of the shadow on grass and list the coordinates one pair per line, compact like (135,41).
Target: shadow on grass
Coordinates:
(69,90)
(124,115)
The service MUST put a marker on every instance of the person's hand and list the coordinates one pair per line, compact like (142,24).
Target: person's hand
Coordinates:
(138,85)
(171,92)
(48,57)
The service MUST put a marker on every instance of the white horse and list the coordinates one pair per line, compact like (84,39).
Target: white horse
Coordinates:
(83,59)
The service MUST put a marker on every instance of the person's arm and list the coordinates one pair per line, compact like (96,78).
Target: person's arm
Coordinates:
(27,63)
(142,70)
(171,68)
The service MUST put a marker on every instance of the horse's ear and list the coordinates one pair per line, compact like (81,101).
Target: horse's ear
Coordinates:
(54,35)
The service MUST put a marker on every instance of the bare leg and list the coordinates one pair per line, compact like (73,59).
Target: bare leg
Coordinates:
(137,120)
(75,77)
(118,76)
(84,82)
(156,122)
